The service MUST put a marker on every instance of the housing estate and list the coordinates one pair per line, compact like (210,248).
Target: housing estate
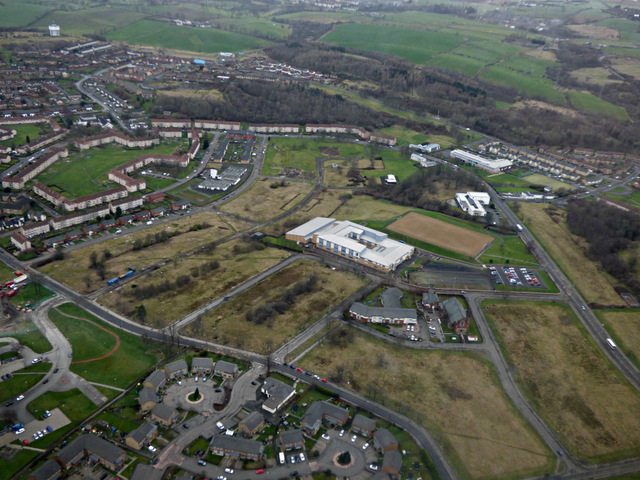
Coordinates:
(251,424)
(354,242)
(142,436)
(176,369)
(278,393)
(226,370)
(322,411)
(164,414)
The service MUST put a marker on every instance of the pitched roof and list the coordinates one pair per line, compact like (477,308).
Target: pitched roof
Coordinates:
(288,437)
(202,362)
(237,444)
(252,420)
(391,298)
(430,297)
(454,309)
(364,423)
(392,458)
(93,444)
(318,410)
(156,378)
(384,438)
(226,367)
(177,366)
(383,312)
(46,470)
(163,411)
(147,395)
(143,432)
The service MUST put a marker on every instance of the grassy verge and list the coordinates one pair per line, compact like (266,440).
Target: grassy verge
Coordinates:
(34,340)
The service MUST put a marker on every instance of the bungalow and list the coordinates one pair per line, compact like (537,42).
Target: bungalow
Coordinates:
(278,393)
(147,399)
(456,315)
(392,463)
(142,216)
(251,424)
(362,425)
(430,300)
(384,440)
(201,365)
(291,440)
(156,197)
(142,436)
(320,412)
(164,414)
(176,369)
(180,205)
(156,380)
(125,220)
(54,242)
(21,242)
(73,235)
(226,369)
(236,447)
(157,212)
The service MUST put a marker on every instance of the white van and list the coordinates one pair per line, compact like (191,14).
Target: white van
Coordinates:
(612,344)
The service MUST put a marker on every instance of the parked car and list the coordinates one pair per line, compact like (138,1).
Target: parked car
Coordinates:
(353,439)
(326,437)
(202,463)
(259,471)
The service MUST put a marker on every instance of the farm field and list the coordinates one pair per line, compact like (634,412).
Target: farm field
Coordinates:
(208,40)
(441,234)
(454,396)
(228,324)
(128,362)
(238,262)
(74,269)
(524,84)
(252,205)
(547,345)
(21,14)
(301,153)
(594,284)
(95,20)
(588,101)
(625,328)
(512,249)
(86,173)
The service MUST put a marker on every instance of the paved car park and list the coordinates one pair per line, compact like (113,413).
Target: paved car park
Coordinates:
(520,277)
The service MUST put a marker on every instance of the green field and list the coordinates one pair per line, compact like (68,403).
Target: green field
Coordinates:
(537,88)
(394,163)
(18,384)
(632,199)
(23,131)
(31,294)
(458,63)
(95,20)
(19,14)
(207,40)
(86,173)
(587,101)
(414,45)
(511,249)
(34,340)
(130,361)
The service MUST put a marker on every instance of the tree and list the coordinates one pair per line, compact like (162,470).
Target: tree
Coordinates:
(205,143)
(344,458)
(141,313)
(28,139)
(118,212)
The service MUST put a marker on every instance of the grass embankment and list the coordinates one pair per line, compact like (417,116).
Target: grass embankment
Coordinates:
(228,324)
(457,397)
(594,285)
(568,379)
(624,326)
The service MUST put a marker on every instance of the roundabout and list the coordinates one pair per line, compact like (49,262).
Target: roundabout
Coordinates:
(183,396)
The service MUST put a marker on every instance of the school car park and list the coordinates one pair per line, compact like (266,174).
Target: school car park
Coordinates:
(517,277)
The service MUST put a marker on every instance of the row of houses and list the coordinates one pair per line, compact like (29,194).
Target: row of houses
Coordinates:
(116,137)
(275,128)
(31,171)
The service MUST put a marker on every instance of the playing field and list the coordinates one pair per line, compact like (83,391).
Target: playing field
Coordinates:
(441,234)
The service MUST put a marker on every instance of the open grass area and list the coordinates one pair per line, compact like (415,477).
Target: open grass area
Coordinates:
(512,249)
(624,326)
(301,153)
(539,179)
(530,86)
(130,361)
(22,132)
(31,294)
(96,20)
(367,208)
(162,34)
(169,306)
(394,162)
(455,396)
(252,204)
(21,14)
(568,379)
(11,466)
(6,273)
(592,282)
(86,172)
(632,198)
(18,384)
(589,102)
(228,324)
(73,403)
(34,340)
(74,269)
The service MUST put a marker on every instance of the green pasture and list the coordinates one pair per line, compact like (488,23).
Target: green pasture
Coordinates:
(86,172)
(302,152)
(207,40)
(93,20)
(20,14)
(540,88)
(256,27)
(528,65)
(626,52)
(132,359)
(457,63)
(539,179)
(23,131)
(511,249)
(588,101)
(394,163)
(405,135)
(414,45)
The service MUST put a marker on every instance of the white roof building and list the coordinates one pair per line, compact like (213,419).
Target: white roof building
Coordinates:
(472,202)
(354,242)
(496,166)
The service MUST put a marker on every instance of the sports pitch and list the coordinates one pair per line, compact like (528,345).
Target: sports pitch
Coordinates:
(441,234)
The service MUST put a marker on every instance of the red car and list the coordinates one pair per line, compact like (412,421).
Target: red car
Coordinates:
(324,380)
(259,471)
(299,369)
(25,442)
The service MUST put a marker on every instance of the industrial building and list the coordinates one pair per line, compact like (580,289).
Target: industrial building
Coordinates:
(495,166)
(473,202)
(353,242)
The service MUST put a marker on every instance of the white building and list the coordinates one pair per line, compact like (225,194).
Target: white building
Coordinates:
(425,147)
(354,242)
(472,202)
(54,30)
(423,161)
(496,166)
(391,179)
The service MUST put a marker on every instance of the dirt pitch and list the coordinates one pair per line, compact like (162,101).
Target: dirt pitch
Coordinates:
(441,234)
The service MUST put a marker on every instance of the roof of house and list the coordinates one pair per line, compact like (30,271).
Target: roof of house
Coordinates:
(392,458)
(430,297)
(177,366)
(93,444)
(384,438)
(364,423)
(318,410)
(391,297)
(253,420)
(289,437)
(143,432)
(455,310)
(384,312)
(237,444)
(163,411)
(202,362)
(147,395)
(226,367)
(156,378)
(46,470)
(274,387)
